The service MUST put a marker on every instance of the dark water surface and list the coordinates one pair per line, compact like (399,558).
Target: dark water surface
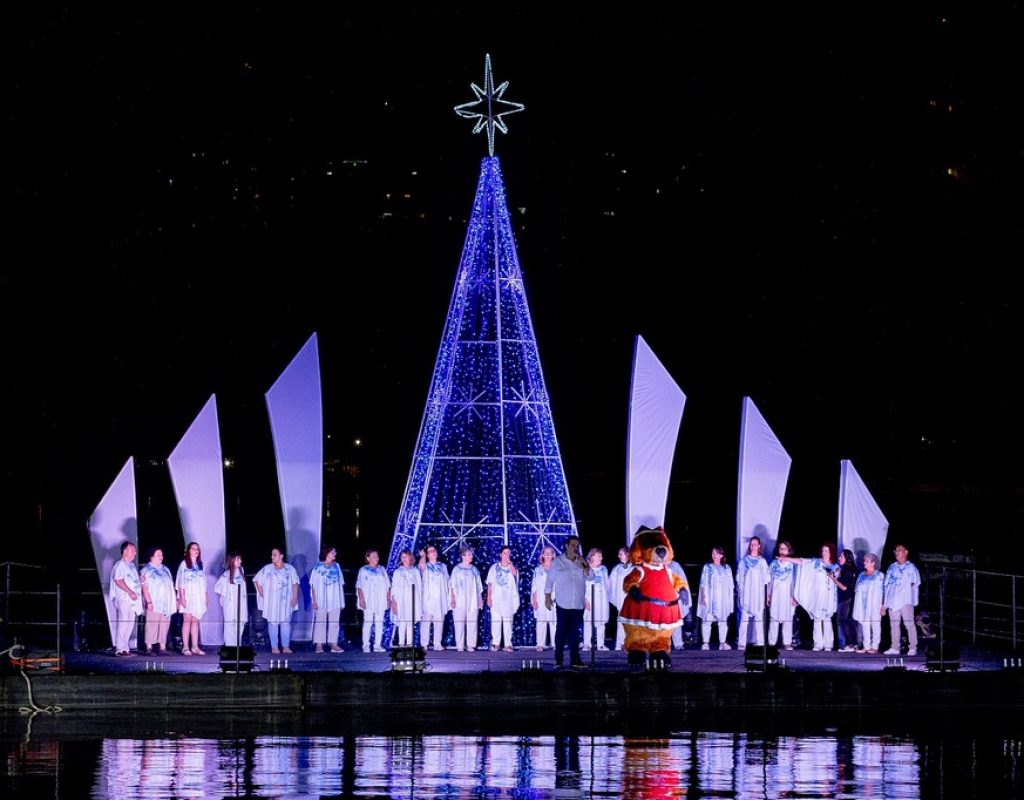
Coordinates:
(40,762)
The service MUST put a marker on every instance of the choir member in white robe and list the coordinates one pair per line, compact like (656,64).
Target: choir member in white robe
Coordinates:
(467,600)
(815,590)
(234,602)
(160,601)
(277,596)
(126,595)
(435,597)
(867,604)
(596,601)
(716,598)
(543,616)
(373,588)
(752,577)
(780,596)
(190,583)
(902,581)
(618,575)
(503,598)
(406,601)
(327,593)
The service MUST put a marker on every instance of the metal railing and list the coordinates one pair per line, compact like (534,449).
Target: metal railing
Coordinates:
(978,604)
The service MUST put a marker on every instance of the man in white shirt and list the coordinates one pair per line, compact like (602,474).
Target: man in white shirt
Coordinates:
(902,581)
(567,582)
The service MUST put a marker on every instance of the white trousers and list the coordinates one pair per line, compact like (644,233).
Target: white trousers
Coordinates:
(465,628)
(125,625)
(744,623)
(497,626)
(369,619)
(545,628)
(326,625)
(823,636)
(872,630)
(432,631)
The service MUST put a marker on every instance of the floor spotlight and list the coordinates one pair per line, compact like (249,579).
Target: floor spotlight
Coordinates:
(758,658)
(408,659)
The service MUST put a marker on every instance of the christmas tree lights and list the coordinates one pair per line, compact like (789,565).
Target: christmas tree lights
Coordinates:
(487,469)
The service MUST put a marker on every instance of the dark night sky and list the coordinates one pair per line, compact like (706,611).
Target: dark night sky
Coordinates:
(821,212)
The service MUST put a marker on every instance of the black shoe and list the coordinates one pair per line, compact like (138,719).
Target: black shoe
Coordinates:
(559,665)
(577,665)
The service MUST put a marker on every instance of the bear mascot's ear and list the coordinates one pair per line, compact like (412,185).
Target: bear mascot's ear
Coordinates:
(640,542)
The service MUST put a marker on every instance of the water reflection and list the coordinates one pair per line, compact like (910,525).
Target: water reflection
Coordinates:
(704,764)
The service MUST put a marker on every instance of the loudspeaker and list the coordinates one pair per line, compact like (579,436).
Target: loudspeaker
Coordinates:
(236,659)
(408,659)
(756,660)
(948,660)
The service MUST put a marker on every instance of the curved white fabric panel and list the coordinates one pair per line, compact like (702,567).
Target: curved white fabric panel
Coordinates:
(862,525)
(655,412)
(296,423)
(763,474)
(114,521)
(196,467)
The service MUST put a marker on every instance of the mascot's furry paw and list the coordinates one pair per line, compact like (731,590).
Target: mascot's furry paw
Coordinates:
(637,658)
(660,661)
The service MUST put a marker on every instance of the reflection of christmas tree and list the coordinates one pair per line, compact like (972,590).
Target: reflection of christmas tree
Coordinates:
(487,470)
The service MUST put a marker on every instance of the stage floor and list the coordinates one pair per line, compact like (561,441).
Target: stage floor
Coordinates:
(449,661)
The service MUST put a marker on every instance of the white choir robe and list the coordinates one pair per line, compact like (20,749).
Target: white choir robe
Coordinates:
(406,603)
(867,607)
(436,601)
(816,592)
(504,585)
(375,585)
(783,576)
(466,588)
(752,577)
(543,616)
(327,586)
(234,603)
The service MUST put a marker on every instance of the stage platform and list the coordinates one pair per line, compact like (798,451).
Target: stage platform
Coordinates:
(483,690)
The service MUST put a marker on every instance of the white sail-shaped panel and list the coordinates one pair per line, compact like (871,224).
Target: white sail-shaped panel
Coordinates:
(763,474)
(655,412)
(862,525)
(197,473)
(296,423)
(113,522)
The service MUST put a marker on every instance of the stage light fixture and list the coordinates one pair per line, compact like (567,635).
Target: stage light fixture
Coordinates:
(408,659)
(758,658)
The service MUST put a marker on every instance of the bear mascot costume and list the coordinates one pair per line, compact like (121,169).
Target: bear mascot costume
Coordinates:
(651,610)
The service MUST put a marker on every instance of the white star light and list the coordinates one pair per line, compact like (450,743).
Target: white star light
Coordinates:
(541,530)
(525,403)
(460,530)
(512,281)
(468,405)
(489,106)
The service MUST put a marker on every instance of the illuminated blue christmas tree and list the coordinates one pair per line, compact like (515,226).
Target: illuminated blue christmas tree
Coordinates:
(487,470)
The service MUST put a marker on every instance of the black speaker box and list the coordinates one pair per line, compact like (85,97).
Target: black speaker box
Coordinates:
(408,659)
(236,659)
(755,658)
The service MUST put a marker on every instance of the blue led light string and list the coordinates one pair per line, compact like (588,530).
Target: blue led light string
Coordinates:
(486,468)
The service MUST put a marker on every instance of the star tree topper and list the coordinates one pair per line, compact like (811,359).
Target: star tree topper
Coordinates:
(489,106)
